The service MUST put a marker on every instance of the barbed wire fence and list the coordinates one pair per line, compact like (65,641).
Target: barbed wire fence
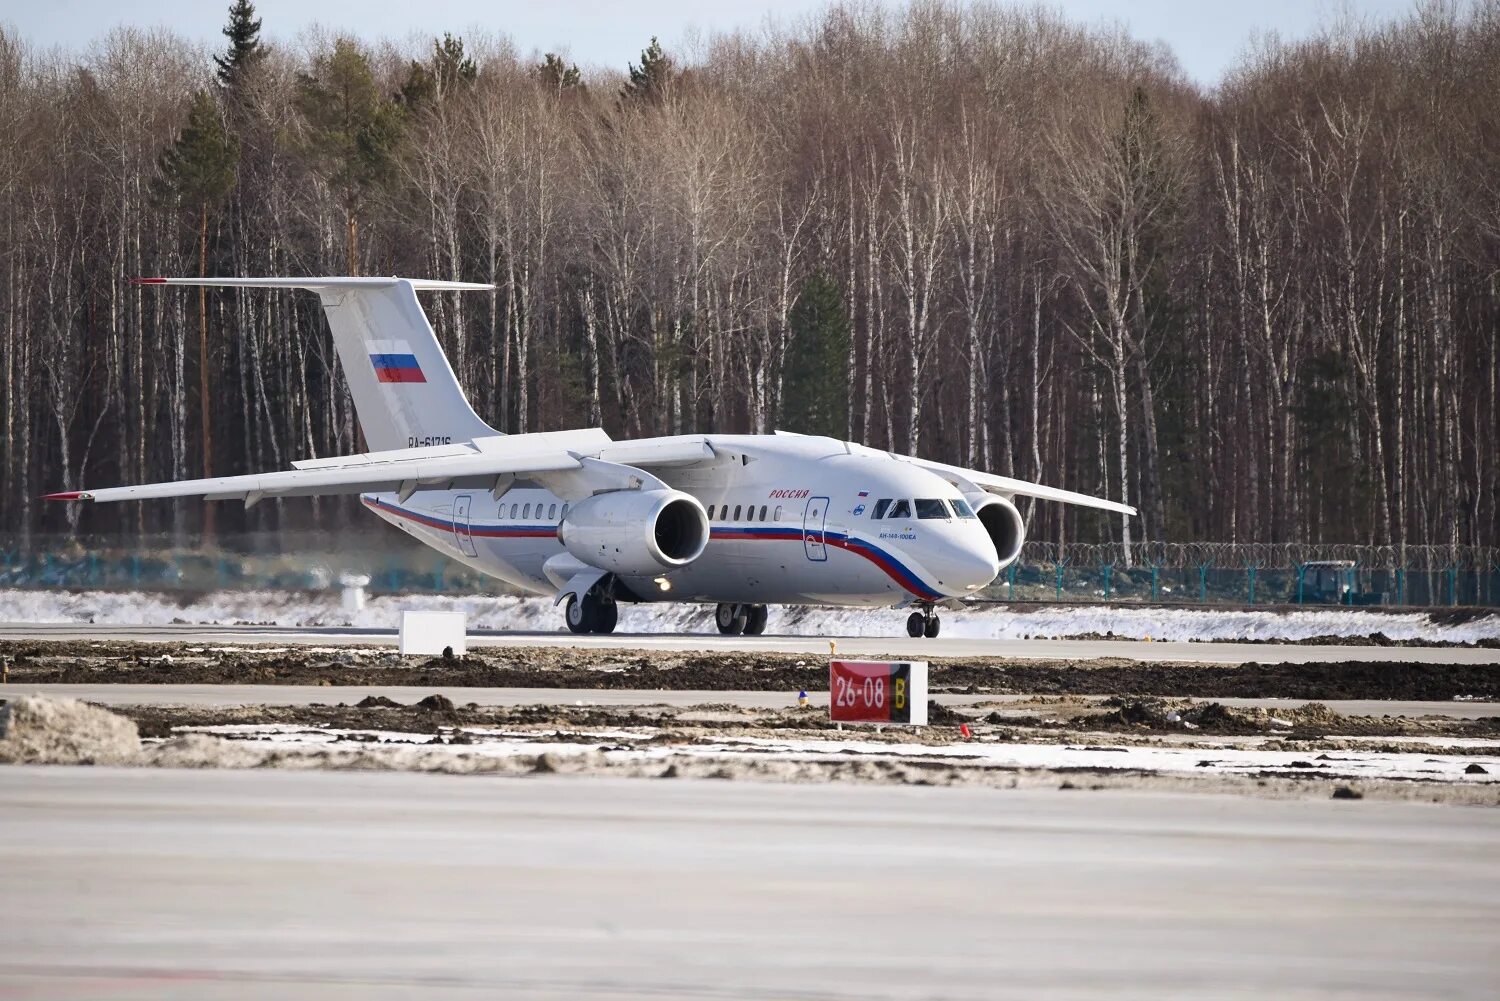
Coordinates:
(1193,572)
(1252,573)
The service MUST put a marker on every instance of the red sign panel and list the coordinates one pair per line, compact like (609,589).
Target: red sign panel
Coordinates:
(869,691)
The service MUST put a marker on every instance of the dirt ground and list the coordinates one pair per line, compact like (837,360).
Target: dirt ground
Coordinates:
(1101,705)
(157,663)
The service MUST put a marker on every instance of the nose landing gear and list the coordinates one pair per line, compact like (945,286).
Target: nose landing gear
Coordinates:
(733,619)
(923,623)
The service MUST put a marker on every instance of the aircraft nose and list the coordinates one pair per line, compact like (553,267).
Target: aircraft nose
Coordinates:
(972,566)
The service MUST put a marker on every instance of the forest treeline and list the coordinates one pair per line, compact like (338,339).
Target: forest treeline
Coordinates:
(1263,311)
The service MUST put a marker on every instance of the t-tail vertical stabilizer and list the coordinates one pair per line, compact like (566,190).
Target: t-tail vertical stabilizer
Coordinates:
(404,390)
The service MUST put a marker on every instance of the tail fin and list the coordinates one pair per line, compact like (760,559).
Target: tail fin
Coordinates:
(405,392)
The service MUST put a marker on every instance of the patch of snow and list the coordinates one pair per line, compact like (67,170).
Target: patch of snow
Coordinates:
(530,614)
(1233,761)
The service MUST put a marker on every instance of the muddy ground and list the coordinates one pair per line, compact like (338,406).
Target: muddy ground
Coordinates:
(1042,720)
(1098,704)
(434,734)
(71,662)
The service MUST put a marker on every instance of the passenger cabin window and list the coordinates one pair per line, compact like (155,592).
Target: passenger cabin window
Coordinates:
(710,512)
(565,511)
(526,512)
(777,515)
(880,507)
(515,510)
(962,509)
(900,509)
(930,508)
(762,512)
(551,512)
(736,512)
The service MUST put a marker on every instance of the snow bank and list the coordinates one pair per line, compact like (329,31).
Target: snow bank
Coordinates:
(538,614)
(38,730)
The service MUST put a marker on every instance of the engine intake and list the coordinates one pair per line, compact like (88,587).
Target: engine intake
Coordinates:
(636,532)
(1004,524)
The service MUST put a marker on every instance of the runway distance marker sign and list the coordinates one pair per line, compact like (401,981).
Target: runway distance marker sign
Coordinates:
(878,691)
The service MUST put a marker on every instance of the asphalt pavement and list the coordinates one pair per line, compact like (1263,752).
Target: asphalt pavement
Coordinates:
(159,883)
(901,647)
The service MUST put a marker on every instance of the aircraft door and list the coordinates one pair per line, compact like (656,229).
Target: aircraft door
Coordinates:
(461,533)
(814,527)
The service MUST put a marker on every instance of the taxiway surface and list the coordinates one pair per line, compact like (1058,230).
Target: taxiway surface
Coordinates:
(183,884)
(852,646)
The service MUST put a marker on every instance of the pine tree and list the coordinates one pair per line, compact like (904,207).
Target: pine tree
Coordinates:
(199,170)
(815,394)
(352,132)
(448,69)
(649,81)
(243,32)
(557,76)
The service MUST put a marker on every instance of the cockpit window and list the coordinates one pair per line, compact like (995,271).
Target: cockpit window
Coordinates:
(880,507)
(931,507)
(962,509)
(900,509)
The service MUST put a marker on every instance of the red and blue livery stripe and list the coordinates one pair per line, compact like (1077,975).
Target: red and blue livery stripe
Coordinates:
(397,368)
(888,563)
(892,566)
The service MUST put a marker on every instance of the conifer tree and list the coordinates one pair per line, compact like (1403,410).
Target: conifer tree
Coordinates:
(199,170)
(243,32)
(815,393)
(352,131)
(649,81)
(448,69)
(557,76)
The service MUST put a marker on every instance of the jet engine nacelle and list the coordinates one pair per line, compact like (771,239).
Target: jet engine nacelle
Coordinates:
(1004,524)
(636,532)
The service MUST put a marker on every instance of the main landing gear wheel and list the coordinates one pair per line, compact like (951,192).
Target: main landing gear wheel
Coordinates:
(731,619)
(915,625)
(923,623)
(609,615)
(577,616)
(755,620)
(591,614)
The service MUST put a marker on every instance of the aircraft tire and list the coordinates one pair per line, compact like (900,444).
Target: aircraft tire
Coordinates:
(914,625)
(755,620)
(931,626)
(730,618)
(579,615)
(606,616)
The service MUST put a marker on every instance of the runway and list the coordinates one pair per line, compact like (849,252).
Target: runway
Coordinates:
(303,695)
(181,884)
(900,647)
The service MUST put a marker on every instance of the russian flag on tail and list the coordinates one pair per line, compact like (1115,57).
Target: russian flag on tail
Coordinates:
(394,361)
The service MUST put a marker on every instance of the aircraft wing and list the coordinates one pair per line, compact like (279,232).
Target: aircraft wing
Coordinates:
(1008,487)
(572,464)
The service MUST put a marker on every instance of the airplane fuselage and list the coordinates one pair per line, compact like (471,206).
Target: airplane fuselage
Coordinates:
(791,522)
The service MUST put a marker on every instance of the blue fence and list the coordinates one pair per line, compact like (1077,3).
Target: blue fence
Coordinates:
(1255,574)
(1198,573)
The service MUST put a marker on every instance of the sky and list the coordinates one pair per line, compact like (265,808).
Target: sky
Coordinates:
(1207,35)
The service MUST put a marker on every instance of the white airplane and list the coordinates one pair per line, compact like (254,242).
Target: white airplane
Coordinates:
(741,521)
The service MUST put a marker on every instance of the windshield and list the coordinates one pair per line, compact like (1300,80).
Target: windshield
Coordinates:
(931,507)
(900,509)
(962,509)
